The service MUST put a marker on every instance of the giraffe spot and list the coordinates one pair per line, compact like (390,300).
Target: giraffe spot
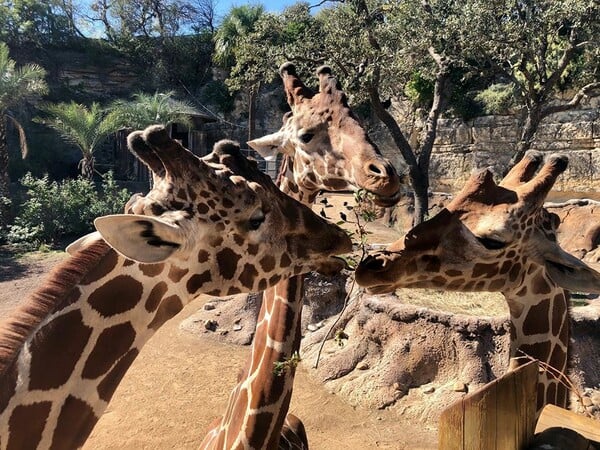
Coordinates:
(111,345)
(105,266)
(453,273)
(248,276)
(432,263)
(168,308)
(214,217)
(335,184)
(128,262)
(262,284)
(191,194)
(274,280)
(558,359)
(252,249)
(233,290)
(256,434)
(267,263)
(176,274)
(106,388)
(156,294)
(8,385)
(215,241)
(285,261)
(182,193)
(551,393)
(264,394)
(539,285)
(536,321)
(175,205)
(220,227)
(439,281)
(239,240)
(559,309)
(75,423)
(561,396)
(282,321)
(515,270)
(505,267)
(511,254)
(539,350)
(235,425)
(456,284)
(55,349)
(26,425)
(227,203)
(496,285)
(152,270)
(211,204)
(116,296)
(202,256)
(195,283)
(484,270)
(157,209)
(202,208)
(227,261)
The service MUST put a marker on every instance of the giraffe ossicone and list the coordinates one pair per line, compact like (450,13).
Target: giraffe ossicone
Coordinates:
(213,225)
(499,238)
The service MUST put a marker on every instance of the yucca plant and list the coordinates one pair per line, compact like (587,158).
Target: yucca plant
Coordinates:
(86,127)
(18,85)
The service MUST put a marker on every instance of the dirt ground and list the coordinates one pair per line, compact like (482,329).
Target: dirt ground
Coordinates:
(180,383)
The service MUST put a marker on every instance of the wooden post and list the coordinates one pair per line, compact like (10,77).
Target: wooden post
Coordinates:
(500,415)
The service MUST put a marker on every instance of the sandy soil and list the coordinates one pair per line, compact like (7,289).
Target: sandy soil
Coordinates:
(180,383)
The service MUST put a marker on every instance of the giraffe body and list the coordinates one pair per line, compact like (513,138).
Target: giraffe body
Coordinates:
(498,238)
(215,225)
(325,148)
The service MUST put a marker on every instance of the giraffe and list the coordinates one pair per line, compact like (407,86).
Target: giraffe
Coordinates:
(213,225)
(498,237)
(324,148)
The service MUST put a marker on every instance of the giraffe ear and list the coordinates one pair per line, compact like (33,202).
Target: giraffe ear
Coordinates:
(144,239)
(571,273)
(83,242)
(268,146)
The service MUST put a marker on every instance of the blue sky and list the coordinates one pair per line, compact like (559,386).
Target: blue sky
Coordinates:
(270,5)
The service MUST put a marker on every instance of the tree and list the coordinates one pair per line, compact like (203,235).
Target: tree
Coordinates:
(85,127)
(541,47)
(18,85)
(146,109)
(391,44)
(239,22)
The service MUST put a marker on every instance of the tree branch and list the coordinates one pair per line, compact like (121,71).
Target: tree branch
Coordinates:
(589,90)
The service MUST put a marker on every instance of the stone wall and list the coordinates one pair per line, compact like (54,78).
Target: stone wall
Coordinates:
(462,147)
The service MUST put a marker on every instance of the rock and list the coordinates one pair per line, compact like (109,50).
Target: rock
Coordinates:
(428,390)
(587,401)
(459,387)
(209,306)
(363,365)
(237,327)
(312,327)
(211,325)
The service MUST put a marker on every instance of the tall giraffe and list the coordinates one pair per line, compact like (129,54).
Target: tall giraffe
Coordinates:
(214,225)
(498,238)
(324,148)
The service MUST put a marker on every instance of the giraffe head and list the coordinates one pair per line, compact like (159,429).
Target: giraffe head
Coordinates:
(220,219)
(324,141)
(489,238)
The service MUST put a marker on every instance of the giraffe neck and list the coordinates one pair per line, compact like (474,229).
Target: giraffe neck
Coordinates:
(540,329)
(259,403)
(81,335)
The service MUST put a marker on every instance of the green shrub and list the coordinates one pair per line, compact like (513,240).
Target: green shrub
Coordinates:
(497,98)
(53,210)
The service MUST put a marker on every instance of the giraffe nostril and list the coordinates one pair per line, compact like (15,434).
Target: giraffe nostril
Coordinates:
(372,263)
(375,169)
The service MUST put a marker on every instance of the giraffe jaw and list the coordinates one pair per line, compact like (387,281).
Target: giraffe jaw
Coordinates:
(386,201)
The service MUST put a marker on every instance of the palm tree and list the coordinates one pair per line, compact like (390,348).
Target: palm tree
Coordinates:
(238,22)
(18,85)
(85,127)
(146,109)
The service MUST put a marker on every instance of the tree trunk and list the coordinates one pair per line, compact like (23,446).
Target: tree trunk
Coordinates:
(4,177)
(252,95)
(532,122)
(86,166)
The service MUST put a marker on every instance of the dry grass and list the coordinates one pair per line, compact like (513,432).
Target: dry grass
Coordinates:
(470,303)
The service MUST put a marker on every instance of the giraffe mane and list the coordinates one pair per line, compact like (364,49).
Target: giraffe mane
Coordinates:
(15,330)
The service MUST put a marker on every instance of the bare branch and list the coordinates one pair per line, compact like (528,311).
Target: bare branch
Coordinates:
(589,90)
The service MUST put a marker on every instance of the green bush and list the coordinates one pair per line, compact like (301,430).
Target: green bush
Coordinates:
(497,98)
(53,210)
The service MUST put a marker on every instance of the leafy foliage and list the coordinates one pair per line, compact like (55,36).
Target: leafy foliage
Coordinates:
(52,210)
(497,98)
(145,109)
(19,84)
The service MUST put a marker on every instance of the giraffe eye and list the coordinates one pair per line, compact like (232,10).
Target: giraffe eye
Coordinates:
(491,244)
(306,137)
(256,220)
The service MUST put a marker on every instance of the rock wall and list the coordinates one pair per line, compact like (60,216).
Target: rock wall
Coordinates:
(461,147)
